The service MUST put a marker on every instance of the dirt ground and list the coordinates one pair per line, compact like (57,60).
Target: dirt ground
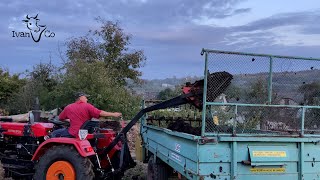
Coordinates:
(139,172)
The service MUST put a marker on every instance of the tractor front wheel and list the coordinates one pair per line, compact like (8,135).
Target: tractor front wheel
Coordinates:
(63,162)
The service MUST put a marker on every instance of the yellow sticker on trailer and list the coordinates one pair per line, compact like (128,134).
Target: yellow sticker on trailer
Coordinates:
(269,153)
(268,170)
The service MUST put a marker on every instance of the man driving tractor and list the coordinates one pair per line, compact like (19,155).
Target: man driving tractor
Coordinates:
(78,113)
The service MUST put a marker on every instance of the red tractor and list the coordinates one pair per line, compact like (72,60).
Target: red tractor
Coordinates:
(25,153)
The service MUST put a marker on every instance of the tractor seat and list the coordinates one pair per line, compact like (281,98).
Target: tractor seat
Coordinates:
(91,125)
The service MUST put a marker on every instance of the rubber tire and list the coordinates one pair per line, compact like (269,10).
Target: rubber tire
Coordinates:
(157,170)
(82,166)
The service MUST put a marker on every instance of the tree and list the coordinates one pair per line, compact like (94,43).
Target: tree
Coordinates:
(40,83)
(233,92)
(93,79)
(109,45)
(9,85)
(311,94)
(257,93)
(168,93)
(99,64)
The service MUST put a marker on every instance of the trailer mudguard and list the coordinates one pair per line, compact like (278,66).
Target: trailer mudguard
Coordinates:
(83,146)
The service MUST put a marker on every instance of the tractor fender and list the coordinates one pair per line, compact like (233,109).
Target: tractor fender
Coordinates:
(83,146)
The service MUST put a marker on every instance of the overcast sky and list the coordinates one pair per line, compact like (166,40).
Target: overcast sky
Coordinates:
(170,32)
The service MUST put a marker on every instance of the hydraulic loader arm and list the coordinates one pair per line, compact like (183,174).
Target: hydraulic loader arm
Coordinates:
(193,94)
(166,104)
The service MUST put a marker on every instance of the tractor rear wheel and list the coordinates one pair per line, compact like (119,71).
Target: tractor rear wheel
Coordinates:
(63,162)
(157,170)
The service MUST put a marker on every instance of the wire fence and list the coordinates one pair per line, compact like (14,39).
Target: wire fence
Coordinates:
(267,94)
(184,118)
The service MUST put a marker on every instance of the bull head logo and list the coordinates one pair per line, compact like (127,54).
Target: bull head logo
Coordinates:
(36,30)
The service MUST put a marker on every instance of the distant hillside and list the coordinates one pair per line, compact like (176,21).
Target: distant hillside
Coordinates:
(285,84)
(149,89)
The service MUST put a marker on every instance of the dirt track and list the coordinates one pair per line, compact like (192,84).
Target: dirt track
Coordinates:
(137,173)
(140,171)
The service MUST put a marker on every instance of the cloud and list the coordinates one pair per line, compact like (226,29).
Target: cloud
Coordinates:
(75,19)
(169,32)
(187,35)
(289,29)
(286,19)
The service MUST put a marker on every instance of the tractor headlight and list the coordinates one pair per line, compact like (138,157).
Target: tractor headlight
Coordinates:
(83,133)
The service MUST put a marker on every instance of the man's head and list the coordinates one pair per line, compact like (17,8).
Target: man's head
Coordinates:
(81,96)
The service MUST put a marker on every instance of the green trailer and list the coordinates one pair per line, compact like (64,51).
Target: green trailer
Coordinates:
(266,126)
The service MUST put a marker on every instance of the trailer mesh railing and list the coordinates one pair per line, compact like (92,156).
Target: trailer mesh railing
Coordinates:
(276,95)
(184,118)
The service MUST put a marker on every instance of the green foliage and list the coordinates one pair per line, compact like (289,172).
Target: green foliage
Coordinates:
(41,82)
(224,114)
(181,112)
(311,94)
(45,76)
(98,64)
(9,85)
(110,45)
(168,93)
(257,93)
(233,92)
(94,79)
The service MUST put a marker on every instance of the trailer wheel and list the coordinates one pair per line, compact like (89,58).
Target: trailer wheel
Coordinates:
(63,162)
(157,170)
